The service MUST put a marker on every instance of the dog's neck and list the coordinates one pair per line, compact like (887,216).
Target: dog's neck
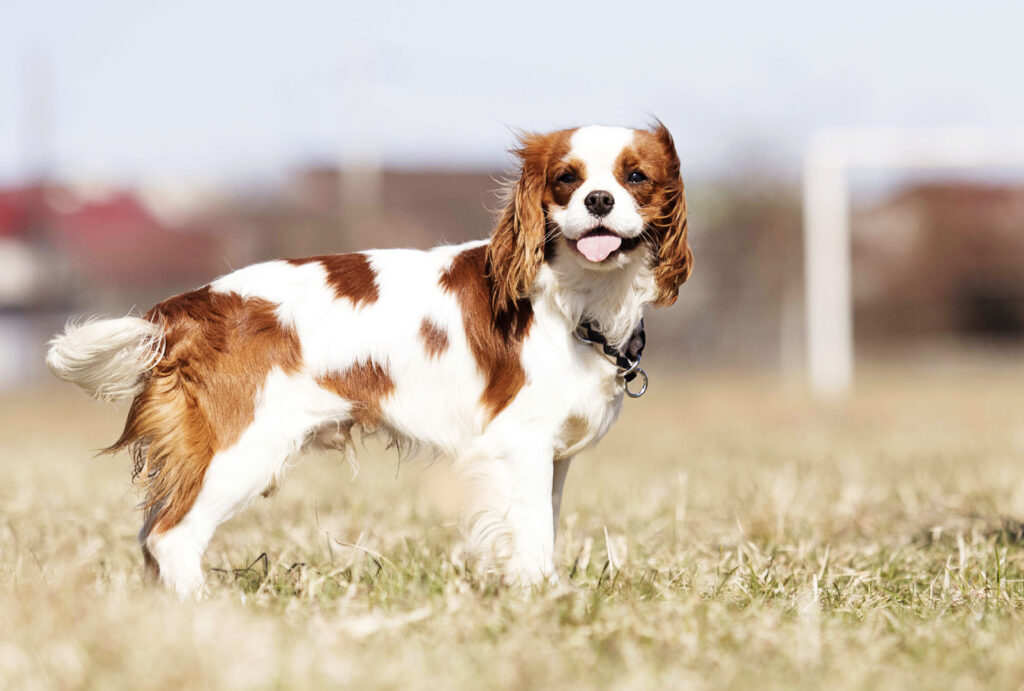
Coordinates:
(612,301)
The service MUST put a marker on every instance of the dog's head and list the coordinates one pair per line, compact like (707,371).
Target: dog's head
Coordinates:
(607,196)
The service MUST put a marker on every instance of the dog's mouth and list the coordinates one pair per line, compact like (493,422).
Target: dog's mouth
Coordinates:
(598,244)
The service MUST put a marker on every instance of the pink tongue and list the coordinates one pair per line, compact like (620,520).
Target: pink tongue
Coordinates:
(597,247)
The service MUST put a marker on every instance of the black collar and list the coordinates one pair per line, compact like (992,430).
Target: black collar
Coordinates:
(627,360)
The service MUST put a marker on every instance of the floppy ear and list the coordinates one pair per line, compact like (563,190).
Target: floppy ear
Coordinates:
(516,250)
(674,260)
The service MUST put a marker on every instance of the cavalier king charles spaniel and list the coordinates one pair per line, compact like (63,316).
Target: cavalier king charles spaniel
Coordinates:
(509,356)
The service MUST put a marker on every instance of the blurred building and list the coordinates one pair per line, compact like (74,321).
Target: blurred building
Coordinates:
(63,248)
(941,261)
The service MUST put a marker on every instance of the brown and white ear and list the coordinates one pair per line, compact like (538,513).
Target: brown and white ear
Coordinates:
(516,250)
(674,261)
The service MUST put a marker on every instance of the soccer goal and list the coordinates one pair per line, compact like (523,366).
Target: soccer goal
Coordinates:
(830,156)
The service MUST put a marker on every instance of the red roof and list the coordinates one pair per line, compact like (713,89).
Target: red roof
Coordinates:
(17,206)
(110,239)
(118,239)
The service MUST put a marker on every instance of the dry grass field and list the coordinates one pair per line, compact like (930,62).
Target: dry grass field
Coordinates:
(728,533)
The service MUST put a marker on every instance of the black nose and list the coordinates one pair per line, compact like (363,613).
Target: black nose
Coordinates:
(599,202)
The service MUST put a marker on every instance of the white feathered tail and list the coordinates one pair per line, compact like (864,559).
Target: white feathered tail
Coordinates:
(108,358)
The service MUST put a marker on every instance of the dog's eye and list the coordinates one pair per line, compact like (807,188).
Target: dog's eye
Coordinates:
(636,177)
(567,178)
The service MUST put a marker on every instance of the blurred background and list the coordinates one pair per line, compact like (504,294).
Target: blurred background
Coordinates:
(147,147)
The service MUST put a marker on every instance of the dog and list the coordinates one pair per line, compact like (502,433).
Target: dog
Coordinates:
(508,356)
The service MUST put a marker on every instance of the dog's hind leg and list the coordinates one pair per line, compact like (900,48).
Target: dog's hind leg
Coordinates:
(234,478)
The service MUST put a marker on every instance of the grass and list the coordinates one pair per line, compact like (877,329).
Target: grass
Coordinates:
(728,533)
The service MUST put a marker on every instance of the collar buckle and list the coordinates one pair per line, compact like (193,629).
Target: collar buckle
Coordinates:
(627,361)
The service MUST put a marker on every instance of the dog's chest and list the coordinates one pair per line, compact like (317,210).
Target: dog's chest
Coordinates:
(591,413)
(580,430)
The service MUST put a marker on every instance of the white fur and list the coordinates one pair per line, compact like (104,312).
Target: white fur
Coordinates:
(516,464)
(597,147)
(107,357)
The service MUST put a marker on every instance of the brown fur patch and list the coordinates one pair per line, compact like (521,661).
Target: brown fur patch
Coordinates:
(517,245)
(558,191)
(435,339)
(219,349)
(365,384)
(574,429)
(661,199)
(350,275)
(495,339)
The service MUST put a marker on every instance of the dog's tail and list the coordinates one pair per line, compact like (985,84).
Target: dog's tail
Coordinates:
(108,358)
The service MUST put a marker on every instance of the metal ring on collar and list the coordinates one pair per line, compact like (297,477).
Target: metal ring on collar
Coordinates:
(632,367)
(643,389)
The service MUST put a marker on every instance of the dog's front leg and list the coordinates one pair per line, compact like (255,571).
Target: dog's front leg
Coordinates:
(509,513)
(561,469)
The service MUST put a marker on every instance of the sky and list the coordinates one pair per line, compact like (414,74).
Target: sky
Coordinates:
(210,90)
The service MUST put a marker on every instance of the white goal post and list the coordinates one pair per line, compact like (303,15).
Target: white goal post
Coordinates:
(828,159)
